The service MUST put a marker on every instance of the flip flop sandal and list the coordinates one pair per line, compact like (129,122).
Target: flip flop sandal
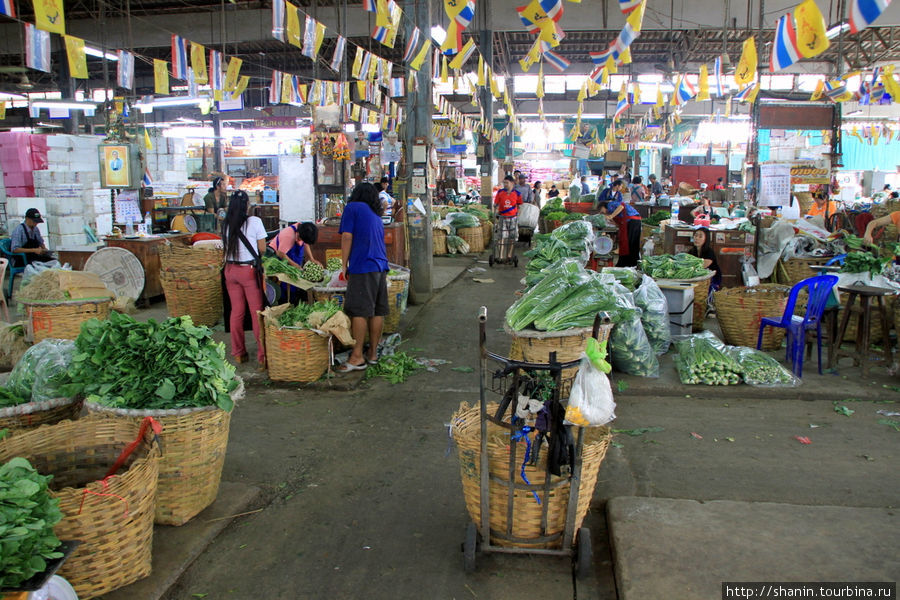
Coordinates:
(371,362)
(346,367)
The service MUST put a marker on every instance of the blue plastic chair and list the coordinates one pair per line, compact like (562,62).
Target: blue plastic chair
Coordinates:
(6,252)
(819,290)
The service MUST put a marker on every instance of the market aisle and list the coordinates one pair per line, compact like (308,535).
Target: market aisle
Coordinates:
(365,500)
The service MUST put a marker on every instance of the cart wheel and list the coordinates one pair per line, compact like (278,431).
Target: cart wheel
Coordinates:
(516,261)
(491,260)
(469,547)
(584,554)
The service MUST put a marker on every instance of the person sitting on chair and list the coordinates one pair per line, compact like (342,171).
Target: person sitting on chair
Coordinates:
(27,239)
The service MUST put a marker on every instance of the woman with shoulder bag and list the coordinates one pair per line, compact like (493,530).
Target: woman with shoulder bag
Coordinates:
(244,238)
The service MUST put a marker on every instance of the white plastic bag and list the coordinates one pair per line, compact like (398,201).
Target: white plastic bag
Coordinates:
(591,402)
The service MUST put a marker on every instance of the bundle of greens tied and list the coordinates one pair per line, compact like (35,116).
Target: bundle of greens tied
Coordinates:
(457,245)
(679,266)
(572,240)
(276,266)
(863,262)
(124,363)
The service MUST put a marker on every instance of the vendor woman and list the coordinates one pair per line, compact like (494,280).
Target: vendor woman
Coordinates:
(217,197)
(292,244)
(891,219)
(702,248)
(628,220)
(822,207)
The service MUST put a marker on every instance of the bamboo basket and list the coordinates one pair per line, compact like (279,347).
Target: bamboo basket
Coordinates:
(535,346)
(701,297)
(739,311)
(196,292)
(439,242)
(398,294)
(194,441)
(34,414)
(176,258)
(294,354)
(798,269)
(487,232)
(466,432)
(61,320)
(112,517)
(473,236)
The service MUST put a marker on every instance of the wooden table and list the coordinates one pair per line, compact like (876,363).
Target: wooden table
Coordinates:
(861,355)
(147,251)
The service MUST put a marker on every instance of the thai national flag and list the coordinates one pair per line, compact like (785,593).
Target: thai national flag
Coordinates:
(621,107)
(746,93)
(597,74)
(278,11)
(785,51)
(864,12)
(380,34)
(556,60)
(216,79)
(626,6)
(7,8)
(553,8)
(125,72)
(685,91)
(179,58)
(339,47)
(719,77)
(626,37)
(530,26)
(369,6)
(412,45)
(147,180)
(599,58)
(37,48)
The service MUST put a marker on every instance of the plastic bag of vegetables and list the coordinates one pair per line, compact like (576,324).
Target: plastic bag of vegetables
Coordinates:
(680,266)
(654,314)
(598,221)
(591,402)
(627,276)
(703,358)
(534,276)
(460,220)
(43,372)
(543,297)
(631,350)
(579,308)
(762,370)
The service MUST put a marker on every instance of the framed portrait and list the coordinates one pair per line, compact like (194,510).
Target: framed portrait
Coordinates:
(118,164)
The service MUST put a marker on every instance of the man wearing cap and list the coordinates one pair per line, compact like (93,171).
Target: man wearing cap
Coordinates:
(27,239)
(524,190)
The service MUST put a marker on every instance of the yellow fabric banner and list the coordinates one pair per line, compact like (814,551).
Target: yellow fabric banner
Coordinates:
(292,30)
(77,60)
(241,86)
(539,92)
(817,93)
(444,75)
(660,101)
(610,66)
(232,73)
(480,70)
(160,77)
(357,63)
(424,51)
(198,63)
(703,93)
(811,36)
(320,37)
(746,68)
(50,16)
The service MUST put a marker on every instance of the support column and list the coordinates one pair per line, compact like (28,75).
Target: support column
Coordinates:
(217,143)
(486,102)
(417,145)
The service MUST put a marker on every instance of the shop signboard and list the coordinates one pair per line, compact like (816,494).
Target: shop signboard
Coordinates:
(809,174)
(275,123)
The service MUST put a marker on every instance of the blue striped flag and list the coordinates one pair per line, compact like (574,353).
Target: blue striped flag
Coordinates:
(785,51)
(340,46)
(7,8)
(216,79)
(864,12)
(719,77)
(125,70)
(398,87)
(278,11)
(626,6)
(147,180)
(369,6)
(685,91)
(621,107)
(179,58)
(748,93)
(380,34)
(412,45)
(556,60)
(37,48)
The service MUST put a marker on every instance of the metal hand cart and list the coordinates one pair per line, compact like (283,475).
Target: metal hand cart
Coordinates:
(507,381)
(499,246)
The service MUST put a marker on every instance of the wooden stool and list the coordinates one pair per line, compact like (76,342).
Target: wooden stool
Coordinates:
(861,355)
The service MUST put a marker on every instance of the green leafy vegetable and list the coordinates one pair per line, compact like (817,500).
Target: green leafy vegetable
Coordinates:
(10,398)
(702,358)
(559,215)
(543,297)
(275,266)
(573,217)
(396,368)
(598,221)
(298,316)
(863,262)
(554,205)
(27,516)
(680,266)
(124,363)
(657,218)
(639,431)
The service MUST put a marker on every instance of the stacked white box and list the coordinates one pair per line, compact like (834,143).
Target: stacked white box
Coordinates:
(166,160)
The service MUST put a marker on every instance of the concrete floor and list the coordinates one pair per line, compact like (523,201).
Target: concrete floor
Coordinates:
(361,494)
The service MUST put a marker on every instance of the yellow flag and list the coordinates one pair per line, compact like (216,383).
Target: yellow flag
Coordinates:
(287,89)
(373,67)
(292,30)
(817,93)
(890,84)
(746,68)
(811,37)
(728,107)
(582,93)
(539,92)
(357,63)
(241,86)
(160,77)
(660,102)
(445,77)
(636,17)
(49,16)
(231,75)
(623,91)
(463,55)
(610,66)
(703,93)
(198,63)
(625,57)
(636,91)
(480,70)
(75,54)
(604,77)
(2,109)
(674,101)
(147,143)
(320,37)
(382,14)
(593,88)
(424,51)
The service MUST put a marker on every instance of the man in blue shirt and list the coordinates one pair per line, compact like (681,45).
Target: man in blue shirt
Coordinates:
(585,189)
(365,266)
(27,239)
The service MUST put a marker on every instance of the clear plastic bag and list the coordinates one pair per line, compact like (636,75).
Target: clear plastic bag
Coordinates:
(591,402)
(631,350)
(579,308)
(761,370)
(654,314)
(542,298)
(703,358)
(43,371)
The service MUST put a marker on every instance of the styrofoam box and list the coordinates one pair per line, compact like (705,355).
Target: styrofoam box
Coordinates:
(56,241)
(66,225)
(680,298)
(17,206)
(58,141)
(64,207)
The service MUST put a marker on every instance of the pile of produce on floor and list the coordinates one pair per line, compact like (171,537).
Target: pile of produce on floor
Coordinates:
(703,358)
(457,245)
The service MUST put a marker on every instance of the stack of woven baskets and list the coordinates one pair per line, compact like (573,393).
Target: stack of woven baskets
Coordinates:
(439,242)
(474,236)
(739,311)
(192,282)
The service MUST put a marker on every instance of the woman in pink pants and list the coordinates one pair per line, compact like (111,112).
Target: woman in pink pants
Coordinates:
(245,242)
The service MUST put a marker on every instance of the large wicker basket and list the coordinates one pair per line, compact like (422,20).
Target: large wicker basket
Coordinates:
(466,432)
(194,442)
(294,354)
(61,320)
(487,232)
(796,270)
(35,414)
(535,347)
(701,297)
(474,236)
(739,311)
(196,292)
(439,242)
(398,294)
(175,257)
(112,517)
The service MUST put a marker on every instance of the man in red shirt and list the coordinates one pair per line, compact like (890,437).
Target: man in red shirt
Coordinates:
(506,208)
